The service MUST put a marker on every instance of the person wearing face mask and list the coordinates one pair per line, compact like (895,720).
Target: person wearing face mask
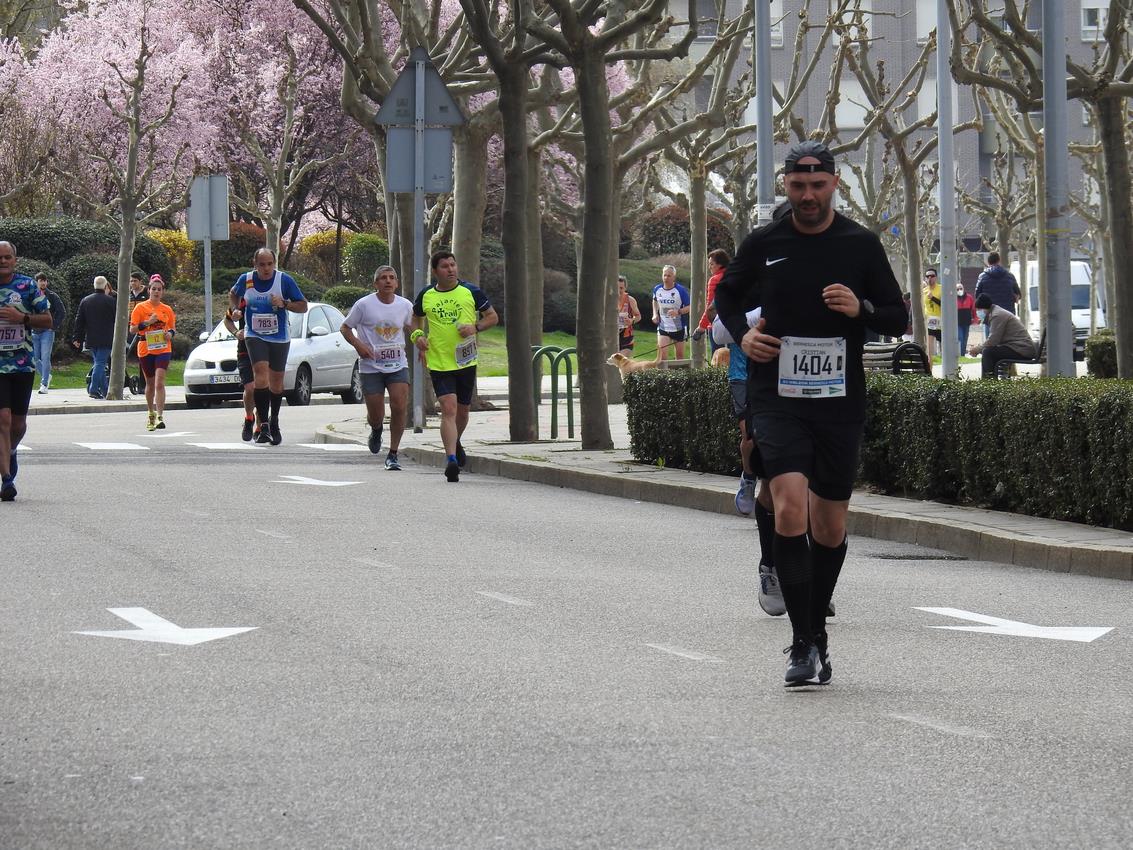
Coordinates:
(1006,337)
(965,313)
(932,310)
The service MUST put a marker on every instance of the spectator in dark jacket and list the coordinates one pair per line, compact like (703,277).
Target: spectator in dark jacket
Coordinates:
(94,327)
(43,339)
(999,283)
(1007,339)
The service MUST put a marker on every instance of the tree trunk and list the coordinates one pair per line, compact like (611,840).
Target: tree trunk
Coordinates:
(513,110)
(1119,212)
(593,271)
(470,169)
(910,235)
(698,245)
(534,249)
(122,309)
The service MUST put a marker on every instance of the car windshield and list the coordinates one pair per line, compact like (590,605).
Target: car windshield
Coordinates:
(1079,297)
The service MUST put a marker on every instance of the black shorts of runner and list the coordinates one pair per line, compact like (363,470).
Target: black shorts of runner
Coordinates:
(825,452)
(244,367)
(152,362)
(625,342)
(739,399)
(675,336)
(15,392)
(275,353)
(461,382)
(375,383)
(935,335)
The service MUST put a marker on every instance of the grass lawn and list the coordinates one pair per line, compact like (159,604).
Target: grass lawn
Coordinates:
(73,375)
(493,351)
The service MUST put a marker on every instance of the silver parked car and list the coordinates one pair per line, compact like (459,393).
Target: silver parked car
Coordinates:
(320,361)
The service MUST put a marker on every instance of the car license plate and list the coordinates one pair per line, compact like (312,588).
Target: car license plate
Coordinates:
(224,379)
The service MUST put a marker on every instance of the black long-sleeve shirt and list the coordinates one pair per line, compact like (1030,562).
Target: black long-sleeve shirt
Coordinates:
(783,271)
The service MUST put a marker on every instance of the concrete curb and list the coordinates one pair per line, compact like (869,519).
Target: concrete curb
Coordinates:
(976,540)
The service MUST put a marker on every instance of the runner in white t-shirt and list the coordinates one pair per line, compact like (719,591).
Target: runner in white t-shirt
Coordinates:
(382,321)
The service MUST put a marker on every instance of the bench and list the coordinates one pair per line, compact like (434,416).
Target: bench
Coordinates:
(1003,367)
(896,357)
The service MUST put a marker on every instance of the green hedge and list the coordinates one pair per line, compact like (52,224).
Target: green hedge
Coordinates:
(55,240)
(343,297)
(1101,354)
(361,257)
(224,279)
(75,278)
(1052,447)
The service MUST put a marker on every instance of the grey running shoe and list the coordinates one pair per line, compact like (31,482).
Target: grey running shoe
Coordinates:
(745,496)
(391,461)
(830,609)
(802,665)
(770,596)
(375,441)
(263,436)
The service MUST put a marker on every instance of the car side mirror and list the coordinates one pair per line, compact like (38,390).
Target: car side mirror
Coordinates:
(203,336)
(318,330)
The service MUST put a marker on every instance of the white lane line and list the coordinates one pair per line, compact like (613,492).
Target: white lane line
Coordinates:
(503,597)
(274,534)
(114,447)
(961,731)
(313,482)
(335,447)
(681,652)
(224,446)
(166,435)
(368,562)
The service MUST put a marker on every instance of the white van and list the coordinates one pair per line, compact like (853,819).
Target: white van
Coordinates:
(1080,276)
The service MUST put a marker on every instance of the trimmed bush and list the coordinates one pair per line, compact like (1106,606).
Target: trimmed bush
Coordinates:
(33,267)
(343,297)
(184,255)
(1101,354)
(243,240)
(666,231)
(361,258)
(1049,447)
(75,277)
(560,311)
(316,255)
(55,240)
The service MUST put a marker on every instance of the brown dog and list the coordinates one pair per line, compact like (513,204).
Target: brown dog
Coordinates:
(627,364)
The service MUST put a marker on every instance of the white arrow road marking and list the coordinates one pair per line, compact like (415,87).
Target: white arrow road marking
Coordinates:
(158,630)
(503,597)
(114,447)
(313,482)
(997,626)
(962,731)
(274,534)
(686,653)
(243,446)
(335,447)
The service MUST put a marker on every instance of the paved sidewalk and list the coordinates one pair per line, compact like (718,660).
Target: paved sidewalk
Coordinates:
(967,532)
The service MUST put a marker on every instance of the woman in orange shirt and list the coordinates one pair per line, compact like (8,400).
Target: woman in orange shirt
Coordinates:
(155,323)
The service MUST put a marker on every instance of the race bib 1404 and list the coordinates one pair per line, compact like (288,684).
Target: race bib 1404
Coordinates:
(811,367)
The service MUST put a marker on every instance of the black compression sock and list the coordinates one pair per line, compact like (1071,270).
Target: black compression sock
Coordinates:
(792,563)
(276,401)
(826,564)
(262,397)
(765,522)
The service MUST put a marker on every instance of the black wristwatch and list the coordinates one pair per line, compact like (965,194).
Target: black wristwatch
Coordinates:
(867,307)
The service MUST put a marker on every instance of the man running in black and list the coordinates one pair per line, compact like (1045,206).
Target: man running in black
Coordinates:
(821,281)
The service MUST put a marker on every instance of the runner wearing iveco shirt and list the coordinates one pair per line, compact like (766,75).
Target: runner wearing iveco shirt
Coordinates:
(821,280)
(268,296)
(457,311)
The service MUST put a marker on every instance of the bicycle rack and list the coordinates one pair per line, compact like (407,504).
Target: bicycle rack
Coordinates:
(555,355)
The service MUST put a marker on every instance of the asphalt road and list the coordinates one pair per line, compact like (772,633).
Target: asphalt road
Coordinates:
(497,664)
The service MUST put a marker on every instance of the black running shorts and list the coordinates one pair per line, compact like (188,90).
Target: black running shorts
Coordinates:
(461,382)
(15,391)
(825,452)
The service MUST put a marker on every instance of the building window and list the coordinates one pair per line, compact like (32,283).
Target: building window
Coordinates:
(707,20)
(926,19)
(1095,16)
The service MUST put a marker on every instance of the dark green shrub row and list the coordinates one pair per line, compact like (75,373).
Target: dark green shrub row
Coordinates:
(1101,354)
(1051,447)
(666,231)
(223,280)
(682,418)
(343,297)
(55,240)
(236,251)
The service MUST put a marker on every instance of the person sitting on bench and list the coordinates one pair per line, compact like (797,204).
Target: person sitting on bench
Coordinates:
(1005,337)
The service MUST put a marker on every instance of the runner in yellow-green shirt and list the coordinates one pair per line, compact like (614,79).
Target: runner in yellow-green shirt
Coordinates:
(456,311)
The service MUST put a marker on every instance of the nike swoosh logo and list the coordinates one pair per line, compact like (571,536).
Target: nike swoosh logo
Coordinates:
(771,262)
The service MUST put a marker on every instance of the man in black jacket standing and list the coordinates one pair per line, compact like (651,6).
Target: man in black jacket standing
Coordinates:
(821,281)
(94,326)
(999,283)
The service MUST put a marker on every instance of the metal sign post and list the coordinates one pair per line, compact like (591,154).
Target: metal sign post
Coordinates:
(208,220)
(419,114)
